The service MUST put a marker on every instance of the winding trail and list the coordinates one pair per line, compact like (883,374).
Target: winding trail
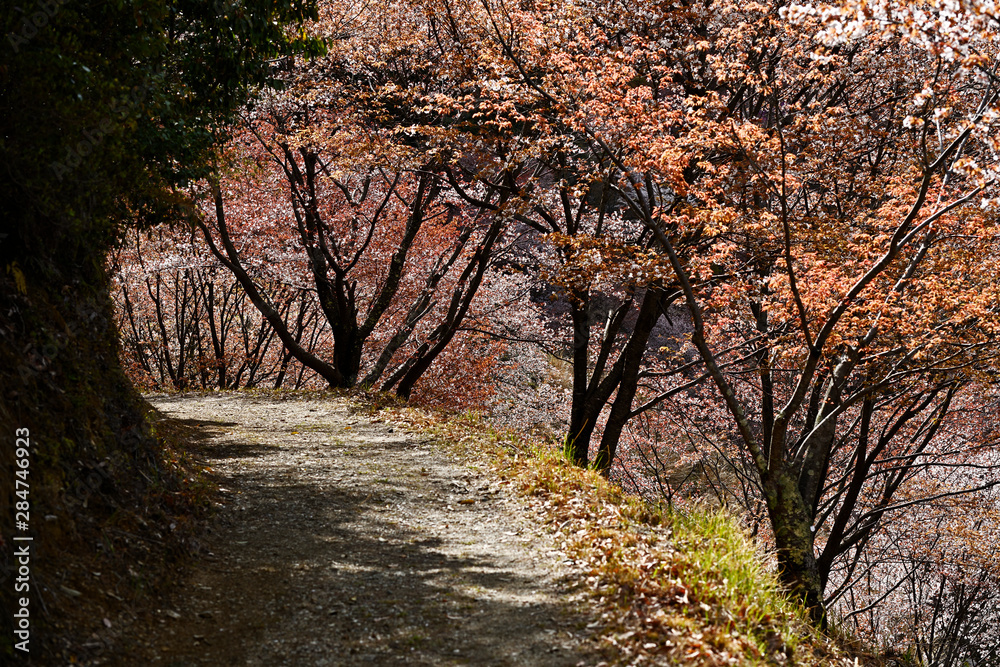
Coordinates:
(345,541)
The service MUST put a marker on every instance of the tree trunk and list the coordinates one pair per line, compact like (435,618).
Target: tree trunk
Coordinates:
(472,278)
(581,424)
(635,349)
(230,258)
(794,539)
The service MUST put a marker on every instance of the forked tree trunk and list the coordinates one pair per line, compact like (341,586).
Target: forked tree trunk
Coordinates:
(631,361)
(230,258)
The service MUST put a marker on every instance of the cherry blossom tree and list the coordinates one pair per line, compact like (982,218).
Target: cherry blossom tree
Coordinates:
(185,322)
(844,173)
(395,260)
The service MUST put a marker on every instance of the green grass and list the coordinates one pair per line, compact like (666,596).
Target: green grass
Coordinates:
(724,566)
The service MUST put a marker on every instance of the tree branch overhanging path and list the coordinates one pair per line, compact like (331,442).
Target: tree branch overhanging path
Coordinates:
(837,382)
(812,210)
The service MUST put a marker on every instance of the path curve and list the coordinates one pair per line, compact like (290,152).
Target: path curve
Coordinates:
(344,541)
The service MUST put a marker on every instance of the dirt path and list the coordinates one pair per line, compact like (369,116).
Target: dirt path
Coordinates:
(348,542)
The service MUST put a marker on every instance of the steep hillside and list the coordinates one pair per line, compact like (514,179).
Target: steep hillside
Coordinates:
(98,488)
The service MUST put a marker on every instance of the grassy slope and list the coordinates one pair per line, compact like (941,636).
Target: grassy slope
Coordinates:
(690,590)
(111,505)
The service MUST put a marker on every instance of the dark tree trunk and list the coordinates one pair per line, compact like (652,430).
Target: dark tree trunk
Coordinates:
(581,423)
(230,258)
(635,349)
(468,287)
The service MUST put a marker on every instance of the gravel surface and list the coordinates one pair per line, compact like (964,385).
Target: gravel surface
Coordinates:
(345,541)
